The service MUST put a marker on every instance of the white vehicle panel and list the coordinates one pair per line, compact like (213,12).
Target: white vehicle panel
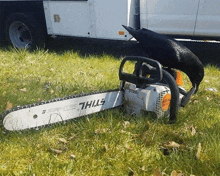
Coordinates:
(92,18)
(169,16)
(109,18)
(73,17)
(208,20)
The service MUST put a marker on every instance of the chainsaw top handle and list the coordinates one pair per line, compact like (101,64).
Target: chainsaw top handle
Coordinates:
(136,77)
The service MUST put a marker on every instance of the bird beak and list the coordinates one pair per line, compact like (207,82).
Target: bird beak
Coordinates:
(130,30)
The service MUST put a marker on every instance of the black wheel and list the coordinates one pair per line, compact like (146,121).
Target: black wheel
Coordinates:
(23,31)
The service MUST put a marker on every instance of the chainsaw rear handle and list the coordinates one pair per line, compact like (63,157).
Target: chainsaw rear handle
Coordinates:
(174,89)
(137,78)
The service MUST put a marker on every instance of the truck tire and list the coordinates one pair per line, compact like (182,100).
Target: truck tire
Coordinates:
(23,31)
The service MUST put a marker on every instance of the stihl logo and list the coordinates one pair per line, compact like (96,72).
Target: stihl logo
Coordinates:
(91,104)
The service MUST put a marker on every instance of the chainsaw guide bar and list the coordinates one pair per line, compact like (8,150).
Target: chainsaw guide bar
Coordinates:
(60,110)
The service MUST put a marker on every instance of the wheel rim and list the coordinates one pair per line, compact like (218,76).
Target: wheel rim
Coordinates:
(20,35)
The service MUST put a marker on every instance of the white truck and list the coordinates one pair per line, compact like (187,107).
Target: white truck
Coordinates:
(28,23)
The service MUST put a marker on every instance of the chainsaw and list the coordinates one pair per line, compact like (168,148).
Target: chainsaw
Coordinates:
(149,88)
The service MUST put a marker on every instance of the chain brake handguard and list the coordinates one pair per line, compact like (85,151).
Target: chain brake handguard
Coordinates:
(137,77)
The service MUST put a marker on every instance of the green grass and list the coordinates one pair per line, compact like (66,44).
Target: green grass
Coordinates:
(107,143)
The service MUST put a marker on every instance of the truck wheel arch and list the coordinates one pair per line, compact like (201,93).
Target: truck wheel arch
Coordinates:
(31,10)
(24,31)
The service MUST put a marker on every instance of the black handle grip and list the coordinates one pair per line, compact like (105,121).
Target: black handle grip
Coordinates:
(137,77)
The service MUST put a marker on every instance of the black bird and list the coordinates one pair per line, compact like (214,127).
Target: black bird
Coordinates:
(170,53)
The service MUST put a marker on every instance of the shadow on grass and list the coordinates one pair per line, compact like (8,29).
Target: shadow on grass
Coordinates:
(95,47)
(208,53)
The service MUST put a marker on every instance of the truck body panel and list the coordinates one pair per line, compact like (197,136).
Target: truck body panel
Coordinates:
(169,16)
(92,18)
(104,19)
(69,18)
(208,19)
